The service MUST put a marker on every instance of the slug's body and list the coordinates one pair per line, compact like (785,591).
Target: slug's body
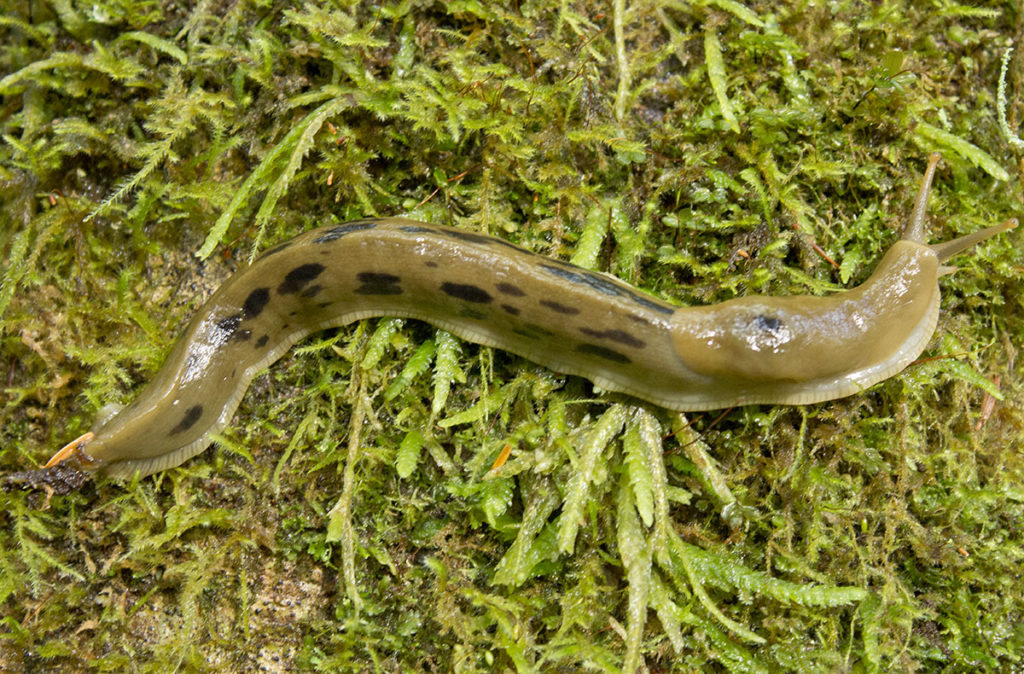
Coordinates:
(789,350)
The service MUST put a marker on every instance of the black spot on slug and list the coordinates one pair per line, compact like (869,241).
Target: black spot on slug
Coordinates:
(415,229)
(335,233)
(299,278)
(471,237)
(229,325)
(603,352)
(510,289)
(767,323)
(255,302)
(605,285)
(580,276)
(466,292)
(652,304)
(560,308)
(229,328)
(192,415)
(509,309)
(533,331)
(378,283)
(262,341)
(470,312)
(430,263)
(311,291)
(276,249)
(377,277)
(620,336)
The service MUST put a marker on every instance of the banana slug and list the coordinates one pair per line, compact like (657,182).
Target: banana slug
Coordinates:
(778,350)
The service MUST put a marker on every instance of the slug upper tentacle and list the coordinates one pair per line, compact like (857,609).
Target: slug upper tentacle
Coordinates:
(784,350)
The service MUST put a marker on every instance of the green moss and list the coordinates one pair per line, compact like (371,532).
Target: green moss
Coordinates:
(350,518)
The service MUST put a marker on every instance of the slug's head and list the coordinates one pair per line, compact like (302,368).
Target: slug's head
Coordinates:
(798,350)
(915,233)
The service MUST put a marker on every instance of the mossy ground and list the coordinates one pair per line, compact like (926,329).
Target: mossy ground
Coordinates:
(348,520)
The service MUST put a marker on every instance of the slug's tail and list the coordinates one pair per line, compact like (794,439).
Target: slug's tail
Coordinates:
(67,471)
(72,453)
(915,230)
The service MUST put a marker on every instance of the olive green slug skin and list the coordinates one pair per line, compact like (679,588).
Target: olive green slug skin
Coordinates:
(789,350)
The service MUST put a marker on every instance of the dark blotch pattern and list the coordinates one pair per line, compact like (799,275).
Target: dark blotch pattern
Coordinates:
(276,249)
(767,323)
(510,289)
(229,325)
(262,341)
(605,286)
(378,283)
(256,302)
(415,229)
(560,308)
(299,278)
(481,239)
(603,352)
(638,319)
(311,291)
(335,233)
(509,309)
(532,330)
(466,292)
(620,336)
(470,312)
(192,415)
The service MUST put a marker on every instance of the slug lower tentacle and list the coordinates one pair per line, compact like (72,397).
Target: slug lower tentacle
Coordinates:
(786,350)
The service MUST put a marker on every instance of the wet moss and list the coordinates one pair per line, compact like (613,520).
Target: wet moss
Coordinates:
(350,519)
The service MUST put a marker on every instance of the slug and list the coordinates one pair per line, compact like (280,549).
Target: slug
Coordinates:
(777,350)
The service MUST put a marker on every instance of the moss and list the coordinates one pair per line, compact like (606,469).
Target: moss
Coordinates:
(345,521)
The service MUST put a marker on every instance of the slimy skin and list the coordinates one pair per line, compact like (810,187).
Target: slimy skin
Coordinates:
(788,350)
